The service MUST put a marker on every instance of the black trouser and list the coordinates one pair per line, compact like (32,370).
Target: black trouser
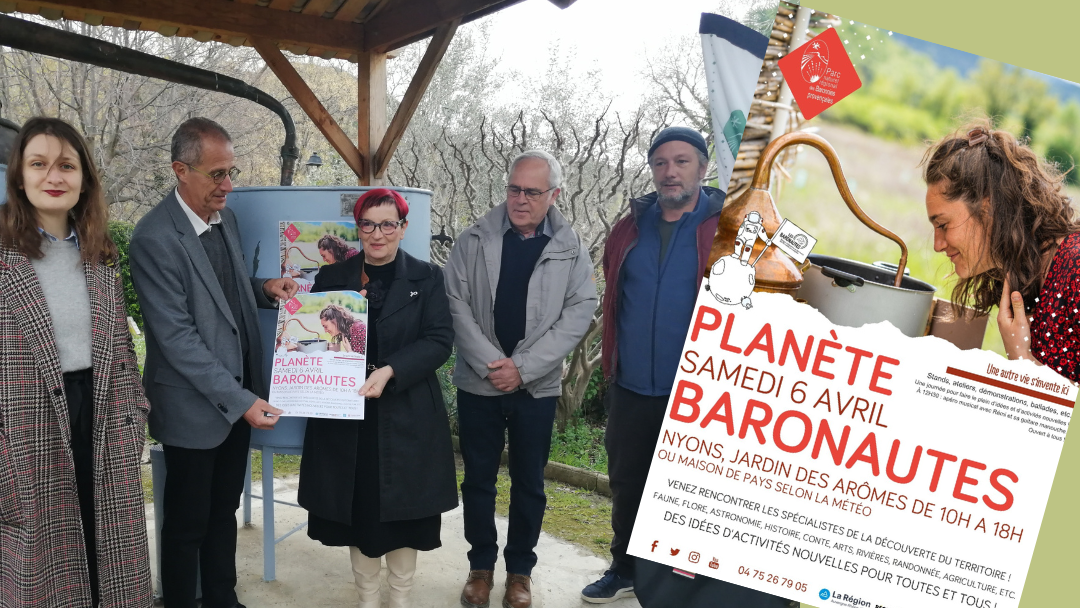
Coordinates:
(202,494)
(633,427)
(79,389)
(527,422)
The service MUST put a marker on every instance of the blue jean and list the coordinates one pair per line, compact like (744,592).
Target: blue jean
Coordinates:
(527,422)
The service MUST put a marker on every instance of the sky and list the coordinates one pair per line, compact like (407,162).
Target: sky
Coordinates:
(613,35)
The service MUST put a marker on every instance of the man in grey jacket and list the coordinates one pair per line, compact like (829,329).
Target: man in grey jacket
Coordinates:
(203,373)
(522,295)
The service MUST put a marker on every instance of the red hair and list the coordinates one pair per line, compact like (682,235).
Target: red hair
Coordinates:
(378,197)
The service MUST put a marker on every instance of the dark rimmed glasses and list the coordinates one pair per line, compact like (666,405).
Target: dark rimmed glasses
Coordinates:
(387,227)
(219,175)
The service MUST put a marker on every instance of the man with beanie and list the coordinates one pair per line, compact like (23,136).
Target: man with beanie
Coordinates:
(654,261)
(522,295)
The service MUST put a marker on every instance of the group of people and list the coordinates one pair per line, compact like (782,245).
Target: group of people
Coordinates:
(516,296)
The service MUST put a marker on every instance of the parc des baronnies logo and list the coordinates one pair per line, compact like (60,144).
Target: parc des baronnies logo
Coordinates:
(819,73)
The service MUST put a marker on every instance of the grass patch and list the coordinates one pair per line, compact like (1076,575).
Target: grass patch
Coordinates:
(284,465)
(572,514)
(580,445)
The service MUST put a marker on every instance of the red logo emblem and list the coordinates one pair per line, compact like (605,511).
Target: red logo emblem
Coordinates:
(292,306)
(291,233)
(819,73)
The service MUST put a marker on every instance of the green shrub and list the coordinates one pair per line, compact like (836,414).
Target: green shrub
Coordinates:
(120,232)
(580,445)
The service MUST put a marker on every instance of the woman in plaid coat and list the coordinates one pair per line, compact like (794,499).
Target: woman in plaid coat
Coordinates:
(72,410)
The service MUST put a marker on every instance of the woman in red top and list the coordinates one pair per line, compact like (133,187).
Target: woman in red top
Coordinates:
(1001,215)
(349,334)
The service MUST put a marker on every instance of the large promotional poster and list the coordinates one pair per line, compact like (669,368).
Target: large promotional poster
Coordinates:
(320,355)
(819,462)
(838,433)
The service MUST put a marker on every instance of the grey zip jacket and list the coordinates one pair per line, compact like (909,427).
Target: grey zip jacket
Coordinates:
(560,305)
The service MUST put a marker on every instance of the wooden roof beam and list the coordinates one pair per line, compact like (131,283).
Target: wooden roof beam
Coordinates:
(311,105)
(411,100)
(231,18)
(400,23)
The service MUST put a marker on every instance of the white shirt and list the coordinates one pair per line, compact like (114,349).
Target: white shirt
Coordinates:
(196,221)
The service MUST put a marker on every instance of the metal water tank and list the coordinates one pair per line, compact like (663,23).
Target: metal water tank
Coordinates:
(258,213)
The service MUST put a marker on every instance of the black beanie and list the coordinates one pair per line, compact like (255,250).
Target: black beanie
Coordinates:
(686,134)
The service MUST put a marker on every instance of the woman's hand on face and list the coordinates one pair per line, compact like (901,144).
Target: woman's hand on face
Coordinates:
(1013,324)
(376,382)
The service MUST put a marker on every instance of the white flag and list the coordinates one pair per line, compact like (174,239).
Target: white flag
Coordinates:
(733,56)
(793,241)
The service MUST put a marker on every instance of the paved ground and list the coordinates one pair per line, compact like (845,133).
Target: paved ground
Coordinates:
(311,575)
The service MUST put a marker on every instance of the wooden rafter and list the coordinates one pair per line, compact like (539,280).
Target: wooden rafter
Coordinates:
(411,100)
(311,105)
(350,10)
(371,106)
(403,22)
(229,19)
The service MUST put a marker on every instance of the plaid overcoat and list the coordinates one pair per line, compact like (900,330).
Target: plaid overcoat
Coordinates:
(42,557)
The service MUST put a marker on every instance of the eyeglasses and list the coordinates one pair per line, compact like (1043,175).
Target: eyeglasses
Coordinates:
(219,175)
(387,227)
(531,194)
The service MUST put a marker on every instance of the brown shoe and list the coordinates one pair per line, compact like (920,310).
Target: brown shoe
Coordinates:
(518,591)
(477,589)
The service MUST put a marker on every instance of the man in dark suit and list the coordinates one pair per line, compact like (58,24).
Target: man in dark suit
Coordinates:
(203,373)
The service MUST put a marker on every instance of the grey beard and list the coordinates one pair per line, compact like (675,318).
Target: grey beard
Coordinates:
(674,202)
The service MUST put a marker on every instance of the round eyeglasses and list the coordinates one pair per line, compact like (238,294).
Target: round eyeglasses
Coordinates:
(219,175)
(387,227)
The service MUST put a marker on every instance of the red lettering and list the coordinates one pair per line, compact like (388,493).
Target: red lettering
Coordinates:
(941,458)
(762,341)
(1005,493)
(963,480)
(792,346)
(686,356)
(912,469)
(681,399)
(859,354)
(749,421)
(699,321)
(721,411)
(878,373)
(822,357)
(727,333)
(837,450)
(866,452)
(808,431)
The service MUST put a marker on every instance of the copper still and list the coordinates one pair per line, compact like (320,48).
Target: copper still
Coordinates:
(776,272)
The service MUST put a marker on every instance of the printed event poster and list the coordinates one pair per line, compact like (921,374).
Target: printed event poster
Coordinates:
(850,466)
(320,356)
(307,246)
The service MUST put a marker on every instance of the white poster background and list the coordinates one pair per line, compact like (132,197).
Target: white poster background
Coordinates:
(744,510)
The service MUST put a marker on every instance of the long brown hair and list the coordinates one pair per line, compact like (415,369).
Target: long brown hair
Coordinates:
(1028,210)
(340,317)
(336,245)
(89,217)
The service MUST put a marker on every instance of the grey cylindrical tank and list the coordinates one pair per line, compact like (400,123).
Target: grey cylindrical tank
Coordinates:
(258,212)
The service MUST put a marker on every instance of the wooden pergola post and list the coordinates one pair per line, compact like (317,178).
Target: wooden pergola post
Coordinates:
(371,111)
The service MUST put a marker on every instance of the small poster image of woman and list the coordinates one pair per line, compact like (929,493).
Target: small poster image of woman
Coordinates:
(334,321)
(305,247)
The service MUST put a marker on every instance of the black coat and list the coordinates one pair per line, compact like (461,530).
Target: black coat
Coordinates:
(416,458)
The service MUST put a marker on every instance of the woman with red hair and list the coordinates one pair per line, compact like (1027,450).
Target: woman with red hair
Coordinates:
(379,485)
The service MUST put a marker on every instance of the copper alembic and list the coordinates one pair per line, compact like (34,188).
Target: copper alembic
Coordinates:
(776,272)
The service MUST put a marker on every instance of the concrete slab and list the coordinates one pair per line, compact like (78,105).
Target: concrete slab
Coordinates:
(311,575)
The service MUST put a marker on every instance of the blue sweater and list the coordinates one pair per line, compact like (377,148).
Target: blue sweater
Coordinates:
(656,301)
